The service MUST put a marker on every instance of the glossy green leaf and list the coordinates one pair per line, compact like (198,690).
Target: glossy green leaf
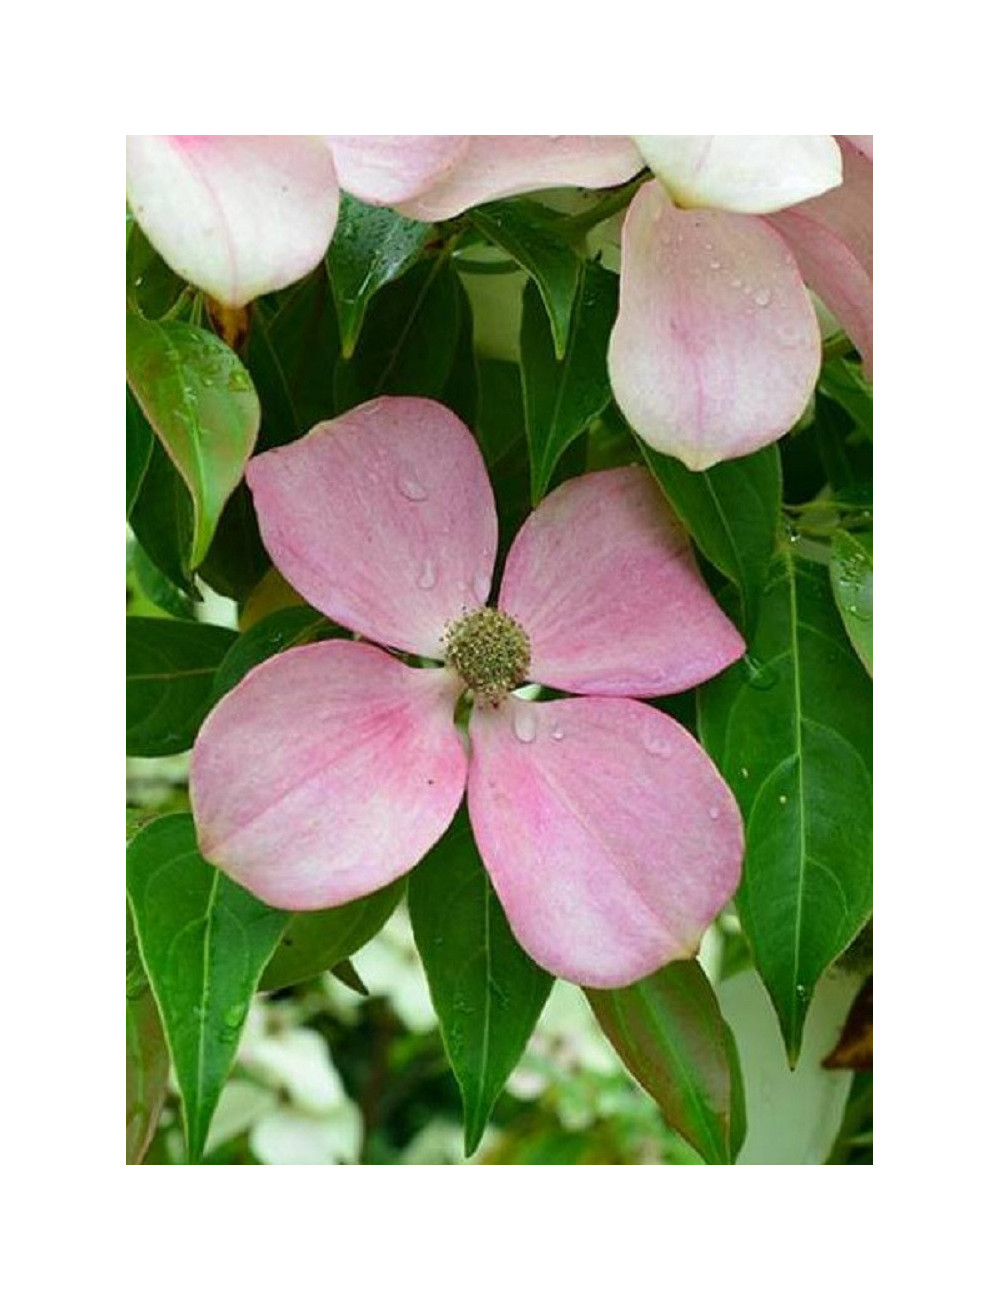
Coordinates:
(792,737)
(526,231)
(204,943)
(562,397)
(670,1033)
(147,1069)
(157,587)
(151,287)
(500,431)
(162,516)
(732,512)
(138,449)
(842,380)
(201,403)
(317,941)
(236,560)
(373,246)
(282,630)
(169,673)
(851,576)
(292,353)
(408,341)
(487,992)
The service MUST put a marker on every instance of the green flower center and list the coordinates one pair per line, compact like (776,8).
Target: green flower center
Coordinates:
(489,650)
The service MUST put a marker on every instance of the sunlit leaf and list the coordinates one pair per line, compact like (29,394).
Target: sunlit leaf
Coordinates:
(851,575)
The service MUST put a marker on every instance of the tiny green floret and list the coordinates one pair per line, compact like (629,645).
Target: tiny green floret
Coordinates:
(490,651)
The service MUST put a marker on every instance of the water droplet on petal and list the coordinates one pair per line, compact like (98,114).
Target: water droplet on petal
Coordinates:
(762,297)
(525,725)
(736,281)
(715,265)
(656,742)
(411,488)
(557,732)
(427,576)
(713,814)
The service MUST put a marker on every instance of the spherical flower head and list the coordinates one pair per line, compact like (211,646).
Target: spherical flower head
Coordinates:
(490,651)
(608,835)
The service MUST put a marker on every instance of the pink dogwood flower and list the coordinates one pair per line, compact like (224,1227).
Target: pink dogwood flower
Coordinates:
(332,769)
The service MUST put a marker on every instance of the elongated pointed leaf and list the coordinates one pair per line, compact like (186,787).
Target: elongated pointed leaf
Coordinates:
(851,575)
(487,992)
(732,511)
(670,1033)
(562,397)
(373,246)
(525,230)
(843,381)
(138,449)
(409,340)
(147,1068)
(201,403)
(292,354)
(317,941)
(161,515)
(204,942)
(169,673)
(792,738)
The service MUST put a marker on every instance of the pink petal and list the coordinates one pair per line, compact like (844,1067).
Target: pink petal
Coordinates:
(383,519)
(610,838)
(497,166)
(831,238)
(236,215)
(742,173)
(716,349)
(388,169)
(602,579)
(329,771)
(863,143)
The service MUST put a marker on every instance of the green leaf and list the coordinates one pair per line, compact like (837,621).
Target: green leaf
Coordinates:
(851,576)
(147,1069)
(236,560)
(151,287)
(732,511)
(293,353)
(487,992)
(792,737)
(670,1033)
(157,587)
(499,428)
(562,397)
(169,672)
(317,941)
(162,516)
(526,231)
(204,942)
(201,403)
(138,449)
(373,246)
(409,340)
(282,630)
(843,381)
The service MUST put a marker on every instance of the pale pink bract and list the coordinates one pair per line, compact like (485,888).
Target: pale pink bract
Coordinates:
(332,769)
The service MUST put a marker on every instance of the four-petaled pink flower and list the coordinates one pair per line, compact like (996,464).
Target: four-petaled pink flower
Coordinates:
(333,768)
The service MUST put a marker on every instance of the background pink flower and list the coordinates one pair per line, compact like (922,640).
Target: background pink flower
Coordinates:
(331,769)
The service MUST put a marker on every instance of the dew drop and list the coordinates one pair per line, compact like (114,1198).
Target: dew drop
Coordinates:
(525,725)
(427,576)
(715,265)
(744,772)
(557,732)
(656,742)
(762,297)
(411,488)
(736,281)
(713,814)
(782,798)
(234,1017)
